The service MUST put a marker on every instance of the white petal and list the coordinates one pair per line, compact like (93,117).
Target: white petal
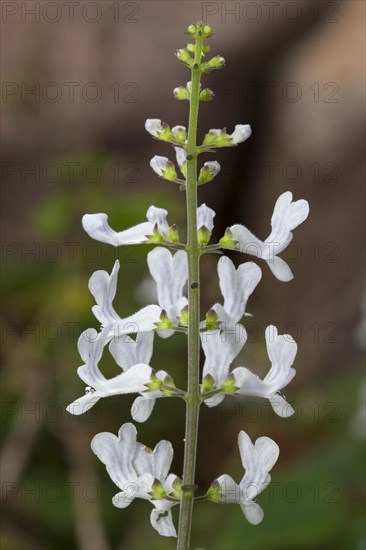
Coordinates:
(162,522)
(215,400)
(280,406)
(181,155)
(103,287)
(128,352)
(241,133)
(246,241)
(142,408)
(159,164)
(92,346)
(170,274)
(157,216)
(153,126)
(124,499)
(249,383)
(236,286)
(280,269)
(205,217)
(131,381)
(84,403)
(282,351)
(257,460)
(143,320)
(163,456)
(230,491)
(97,227)
(213,167)
(117,454)
(252,511)
(221,348)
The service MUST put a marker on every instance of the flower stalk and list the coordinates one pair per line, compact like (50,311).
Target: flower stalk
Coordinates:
(193,252)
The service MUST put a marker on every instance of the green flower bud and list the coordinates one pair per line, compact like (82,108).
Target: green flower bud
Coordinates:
(172,235)
(229,385)
(210,138)
(170,173)
(206,49)
(184,57)
(212,320)
(227,240)
(157,490)
(165,134)
(223,140)
(181,93)
(214,492)
(183,317)
(204,235)
(191,48)
(192,30)
(179,133)
(207,31)
(165,322)
(216,62)
(168,381)
(207,95)
(208,383)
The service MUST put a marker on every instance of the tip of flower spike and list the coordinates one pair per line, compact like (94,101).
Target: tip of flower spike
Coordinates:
(199,30)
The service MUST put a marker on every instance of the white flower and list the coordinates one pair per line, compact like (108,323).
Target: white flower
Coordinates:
(98,228)
(158,217)
(154,126)
(134,468)
(286,216)
(103,288)
(205,216)
(236,286)
(91,346)
(282,351)
(181,156)
(258,460)
(241,133)
(213,167)
(170,273)
(160,164)
(220,349)
(127,353)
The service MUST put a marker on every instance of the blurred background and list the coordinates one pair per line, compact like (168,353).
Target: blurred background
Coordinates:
(78,81)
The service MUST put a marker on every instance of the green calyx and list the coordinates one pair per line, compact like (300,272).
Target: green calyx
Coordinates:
(227,241)
(177,488)
(155,238)
(165,322)
(204,235)
(212,320)
(168,381)
(172,234)
(157,490)
(207,95)
(214,492)
(228,386)
(208,383)
(155,383)
(184,317)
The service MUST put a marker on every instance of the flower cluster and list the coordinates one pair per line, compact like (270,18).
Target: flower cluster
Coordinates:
(135,469)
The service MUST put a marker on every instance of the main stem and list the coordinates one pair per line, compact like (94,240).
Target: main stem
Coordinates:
(193,396)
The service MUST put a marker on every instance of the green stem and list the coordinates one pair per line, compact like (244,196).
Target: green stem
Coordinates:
(193,251)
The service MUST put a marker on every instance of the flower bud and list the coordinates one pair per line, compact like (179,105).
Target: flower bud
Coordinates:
(168,381)
(164,168)
(208,171)
(191,48)
(207,95)
(204,235)
(216,62)
(207,31)
(179,133)
(184,57)
(192,30)
(211,137)
(181,93)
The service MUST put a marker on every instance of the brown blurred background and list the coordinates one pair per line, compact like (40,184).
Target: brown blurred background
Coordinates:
(79,80)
